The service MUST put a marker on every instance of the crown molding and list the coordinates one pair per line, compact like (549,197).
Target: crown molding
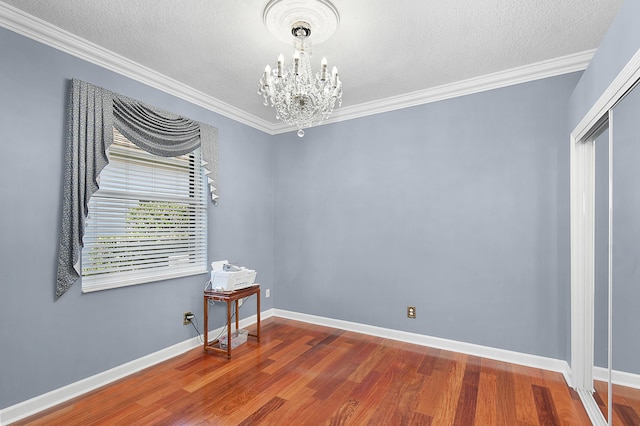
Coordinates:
(41,31)
(536,71)
(510,77)
(50,35)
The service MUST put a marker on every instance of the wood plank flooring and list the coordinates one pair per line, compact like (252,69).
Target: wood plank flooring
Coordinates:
(626,403)
(303,374)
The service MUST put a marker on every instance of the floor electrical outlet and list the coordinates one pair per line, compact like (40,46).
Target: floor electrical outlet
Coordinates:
(411,311)
(187,317)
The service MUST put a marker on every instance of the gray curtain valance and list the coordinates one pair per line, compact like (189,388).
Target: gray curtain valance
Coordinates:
(93,112)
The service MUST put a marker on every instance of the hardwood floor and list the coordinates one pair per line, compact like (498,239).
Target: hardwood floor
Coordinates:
(626,403)
(303,374)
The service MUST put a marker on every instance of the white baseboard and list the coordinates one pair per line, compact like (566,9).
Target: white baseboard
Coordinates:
(60,395)
(621,378)
(528,360)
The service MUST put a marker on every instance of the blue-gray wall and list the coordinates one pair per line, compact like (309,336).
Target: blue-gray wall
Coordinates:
(451,207)
(46,344)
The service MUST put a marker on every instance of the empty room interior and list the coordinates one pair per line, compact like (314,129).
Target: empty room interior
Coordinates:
(440,215)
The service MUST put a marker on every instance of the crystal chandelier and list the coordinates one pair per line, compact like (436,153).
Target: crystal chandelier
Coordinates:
(301,97)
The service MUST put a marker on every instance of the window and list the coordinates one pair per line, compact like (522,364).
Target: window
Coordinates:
(147,222)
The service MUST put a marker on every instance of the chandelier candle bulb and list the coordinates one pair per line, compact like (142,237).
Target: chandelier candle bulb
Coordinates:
(296,62)
(334,76)
(267,75)
(323,69)
(280,65)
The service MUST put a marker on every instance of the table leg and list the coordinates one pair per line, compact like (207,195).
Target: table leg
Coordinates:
(206,323)
(258,313)
(228,328)
(237,315)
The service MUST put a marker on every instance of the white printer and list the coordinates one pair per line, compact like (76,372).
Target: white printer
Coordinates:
(227,277)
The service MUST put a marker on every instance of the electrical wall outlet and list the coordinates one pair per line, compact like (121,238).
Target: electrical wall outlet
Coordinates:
(411,311)
(186,318)
(240,302)
(267,293)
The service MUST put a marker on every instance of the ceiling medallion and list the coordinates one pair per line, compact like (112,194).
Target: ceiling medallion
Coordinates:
(301,97)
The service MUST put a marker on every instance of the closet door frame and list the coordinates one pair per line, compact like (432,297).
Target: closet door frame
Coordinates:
(582,175)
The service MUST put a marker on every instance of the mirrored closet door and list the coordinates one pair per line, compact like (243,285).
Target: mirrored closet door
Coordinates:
(624,121)
(605,256)
(601,268)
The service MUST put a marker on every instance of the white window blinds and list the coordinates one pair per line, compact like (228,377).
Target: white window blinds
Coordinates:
(147,222)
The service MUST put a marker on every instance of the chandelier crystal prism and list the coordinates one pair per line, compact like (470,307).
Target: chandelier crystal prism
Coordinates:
(300,96)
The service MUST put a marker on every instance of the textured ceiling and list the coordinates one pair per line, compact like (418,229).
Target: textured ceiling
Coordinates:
(383,49)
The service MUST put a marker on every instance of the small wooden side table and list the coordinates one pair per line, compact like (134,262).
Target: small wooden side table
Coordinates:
(228,297)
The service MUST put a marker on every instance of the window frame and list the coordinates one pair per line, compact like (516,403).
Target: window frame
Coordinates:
(194,198)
